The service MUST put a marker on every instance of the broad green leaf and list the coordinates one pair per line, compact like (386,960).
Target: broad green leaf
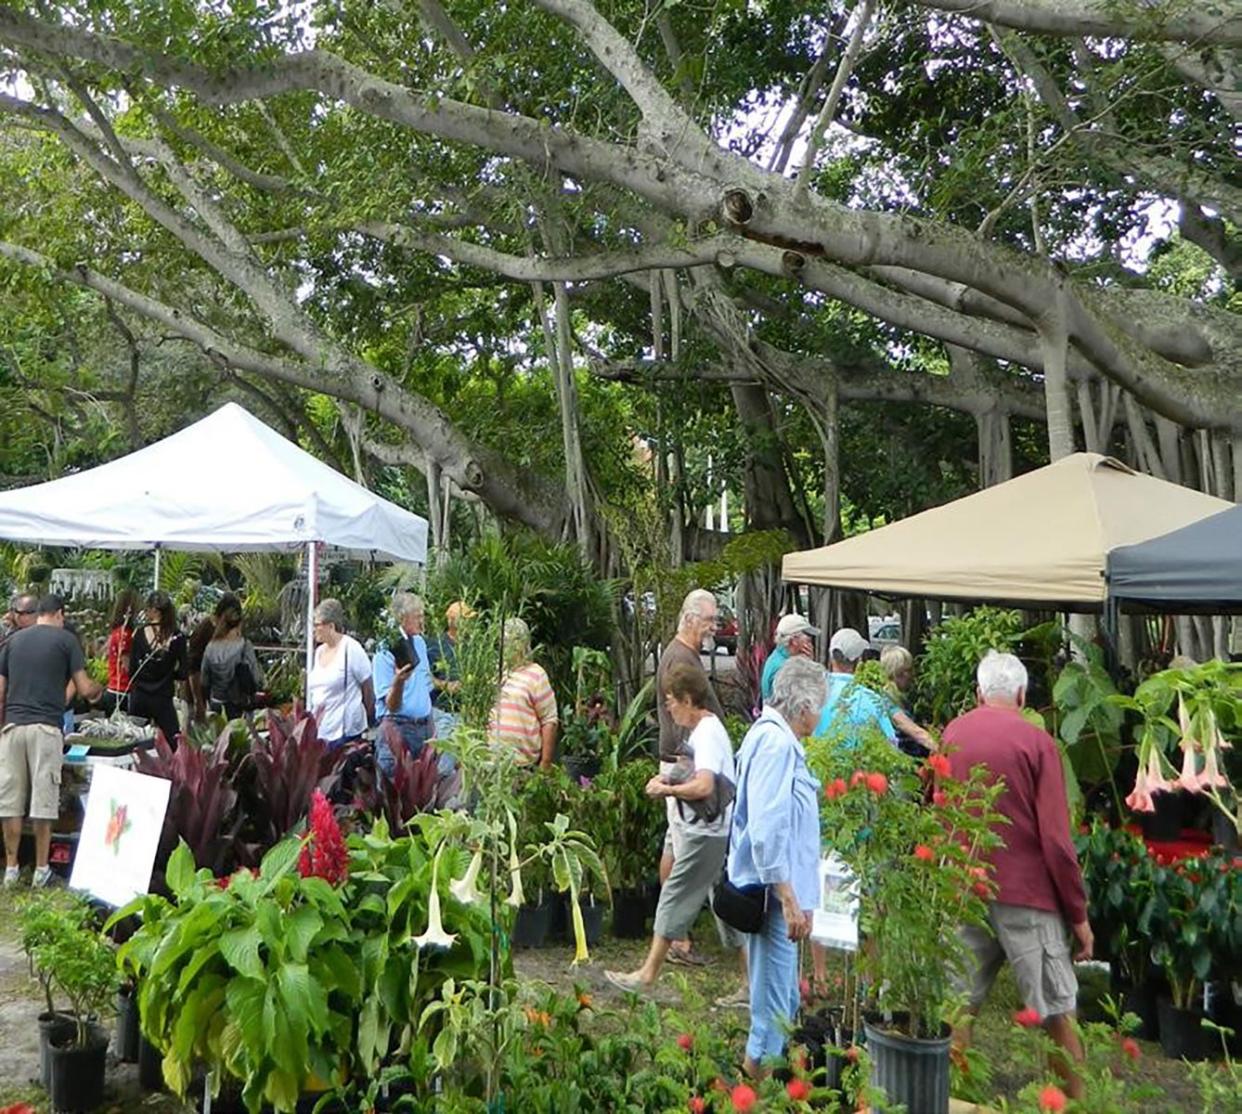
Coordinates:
(301,928)
(279,861)
(245,1005)
(179,874)
(240,949)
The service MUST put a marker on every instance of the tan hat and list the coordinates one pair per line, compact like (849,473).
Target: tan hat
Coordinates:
(849,644)
(794,624)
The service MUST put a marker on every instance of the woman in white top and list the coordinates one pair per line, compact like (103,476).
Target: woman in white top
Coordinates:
(703,790)
(342,698)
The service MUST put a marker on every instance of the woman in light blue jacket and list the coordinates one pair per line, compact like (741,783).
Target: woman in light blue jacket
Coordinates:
(775,842)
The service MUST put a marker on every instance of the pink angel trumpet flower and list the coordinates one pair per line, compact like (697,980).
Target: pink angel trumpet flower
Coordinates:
(1140,799)
(1156,781)
(1212,778)
(1183,716)
(1188,779)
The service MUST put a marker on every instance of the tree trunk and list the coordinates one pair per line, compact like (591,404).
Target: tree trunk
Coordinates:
(769,502)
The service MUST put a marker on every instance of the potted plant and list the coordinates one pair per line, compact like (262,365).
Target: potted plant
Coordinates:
(632,851)
(1190,926)
(542,796)
(921,876)
(44,917)
(84,969)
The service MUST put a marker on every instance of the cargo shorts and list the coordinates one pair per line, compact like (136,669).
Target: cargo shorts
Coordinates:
(1036,944)
(30,764)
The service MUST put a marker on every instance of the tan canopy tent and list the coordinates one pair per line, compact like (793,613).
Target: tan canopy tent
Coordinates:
(1040,539)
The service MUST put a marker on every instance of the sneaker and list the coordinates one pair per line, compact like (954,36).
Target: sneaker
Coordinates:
(43,877)
(12,875)
(738,1000)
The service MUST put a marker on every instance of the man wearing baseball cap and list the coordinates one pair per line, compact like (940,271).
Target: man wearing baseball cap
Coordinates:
(793,638)
(851,708)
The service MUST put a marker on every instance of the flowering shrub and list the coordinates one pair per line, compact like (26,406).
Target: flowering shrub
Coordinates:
(922,869)
(1118,873)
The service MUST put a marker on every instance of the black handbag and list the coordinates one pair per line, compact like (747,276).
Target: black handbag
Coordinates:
(741,907)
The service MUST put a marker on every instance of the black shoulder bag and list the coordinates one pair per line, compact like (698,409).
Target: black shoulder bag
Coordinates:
(741,907)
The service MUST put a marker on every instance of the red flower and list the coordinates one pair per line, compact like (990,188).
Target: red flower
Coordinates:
(1028,1018)
(798,1090)
(981,889)
(859,778)
(19,1108)
(697,1105)
(939,799)
(323,854)
(939,765)
(1130,1047)
(851,1054)
(743,1098)
(1052,1098)
(878,784)
(685,1042)
(836,788)
(924,853)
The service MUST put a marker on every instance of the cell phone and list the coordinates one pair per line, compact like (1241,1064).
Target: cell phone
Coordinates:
(401,652)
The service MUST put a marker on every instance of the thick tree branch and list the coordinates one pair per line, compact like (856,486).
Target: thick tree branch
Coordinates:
(1219,21)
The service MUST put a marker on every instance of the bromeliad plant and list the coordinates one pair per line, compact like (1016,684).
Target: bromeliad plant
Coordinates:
(921,869)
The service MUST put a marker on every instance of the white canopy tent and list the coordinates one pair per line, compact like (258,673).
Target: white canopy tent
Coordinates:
(227,483)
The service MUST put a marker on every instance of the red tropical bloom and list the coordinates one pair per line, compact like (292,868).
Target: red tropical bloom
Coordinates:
(798,1090)
(878,784)
(1052,1099)
(924,853)
(1028,1018)
(323,854)
(851,1054)
(859,778)
(1130,1047)
(939,799)
(698,1105)
(743,1098)
(939,765)
(685,1042)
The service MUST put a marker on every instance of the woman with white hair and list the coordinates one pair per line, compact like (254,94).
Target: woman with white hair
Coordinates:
(525,713)
(340,694)
(898,665)
(775,843)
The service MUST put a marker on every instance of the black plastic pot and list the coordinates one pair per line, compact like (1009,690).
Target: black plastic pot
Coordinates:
(1166,822)
(78,1070)
(62,1026)
(533,923)
(1143,1002)
(150,1066)
(127,1032)
(911,1072)
(825,1041)
(581,766)
(629,914)
(1182,1036)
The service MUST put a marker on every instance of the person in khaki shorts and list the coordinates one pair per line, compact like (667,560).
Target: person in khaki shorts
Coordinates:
(1040,899)
(39,669)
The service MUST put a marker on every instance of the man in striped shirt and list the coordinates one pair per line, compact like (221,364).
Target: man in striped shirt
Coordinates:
(525,714)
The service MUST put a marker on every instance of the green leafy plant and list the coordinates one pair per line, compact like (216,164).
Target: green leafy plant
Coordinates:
(946,679)
(1194,924)
(639,821)
(44,917)
(921,871)
(1088,720)
(1119,877)
(79,962)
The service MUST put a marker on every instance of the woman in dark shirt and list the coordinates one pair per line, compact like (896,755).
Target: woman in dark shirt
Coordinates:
(157,661)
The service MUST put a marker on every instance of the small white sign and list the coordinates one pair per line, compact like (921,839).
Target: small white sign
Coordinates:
(120,834)
(835,923)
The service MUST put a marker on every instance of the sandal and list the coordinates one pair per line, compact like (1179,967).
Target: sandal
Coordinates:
(687,957)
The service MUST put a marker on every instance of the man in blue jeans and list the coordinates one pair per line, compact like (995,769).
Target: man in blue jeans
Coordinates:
(403,688)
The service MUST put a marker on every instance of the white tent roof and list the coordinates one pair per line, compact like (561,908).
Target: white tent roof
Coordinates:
(1042,537)
(228,482)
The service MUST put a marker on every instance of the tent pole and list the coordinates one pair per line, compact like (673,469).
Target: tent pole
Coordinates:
(156,585)
(312,586)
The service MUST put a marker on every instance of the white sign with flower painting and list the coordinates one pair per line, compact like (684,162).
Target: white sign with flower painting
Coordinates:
(835,922)
(120,834)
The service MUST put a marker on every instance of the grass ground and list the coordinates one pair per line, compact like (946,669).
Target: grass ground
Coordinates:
(996,1036)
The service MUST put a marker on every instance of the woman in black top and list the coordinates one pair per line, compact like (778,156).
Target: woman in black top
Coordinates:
(157,661)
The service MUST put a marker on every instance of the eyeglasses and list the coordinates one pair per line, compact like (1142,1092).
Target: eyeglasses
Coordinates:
(25,610)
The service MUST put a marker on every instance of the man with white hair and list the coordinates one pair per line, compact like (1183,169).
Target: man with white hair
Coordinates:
(402,676)
(1040,899)
(793,639)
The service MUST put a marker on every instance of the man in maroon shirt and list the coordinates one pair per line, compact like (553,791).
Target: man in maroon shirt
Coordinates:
(1040,897)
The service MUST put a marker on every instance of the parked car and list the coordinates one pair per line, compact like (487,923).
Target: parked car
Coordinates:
(726,628)
(884,632)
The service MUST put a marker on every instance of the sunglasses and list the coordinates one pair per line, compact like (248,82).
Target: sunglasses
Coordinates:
(25,611)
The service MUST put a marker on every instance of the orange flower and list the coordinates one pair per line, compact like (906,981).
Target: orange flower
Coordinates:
(584,1000)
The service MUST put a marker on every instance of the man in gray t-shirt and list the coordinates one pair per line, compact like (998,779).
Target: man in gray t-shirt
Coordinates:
(39,669)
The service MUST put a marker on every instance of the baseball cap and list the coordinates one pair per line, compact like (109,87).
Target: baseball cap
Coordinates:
(849,643)
(794,624)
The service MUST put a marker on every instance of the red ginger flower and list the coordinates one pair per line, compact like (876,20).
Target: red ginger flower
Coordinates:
(798,1090)
(1028,1018)
(743,1098)
(1052,1099)
(323,854)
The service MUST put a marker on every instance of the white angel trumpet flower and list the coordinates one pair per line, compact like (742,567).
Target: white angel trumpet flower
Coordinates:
(464,889)
(435,936)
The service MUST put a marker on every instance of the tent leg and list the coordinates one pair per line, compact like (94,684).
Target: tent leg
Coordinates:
(156,585)
(1110,624)
(312,586)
